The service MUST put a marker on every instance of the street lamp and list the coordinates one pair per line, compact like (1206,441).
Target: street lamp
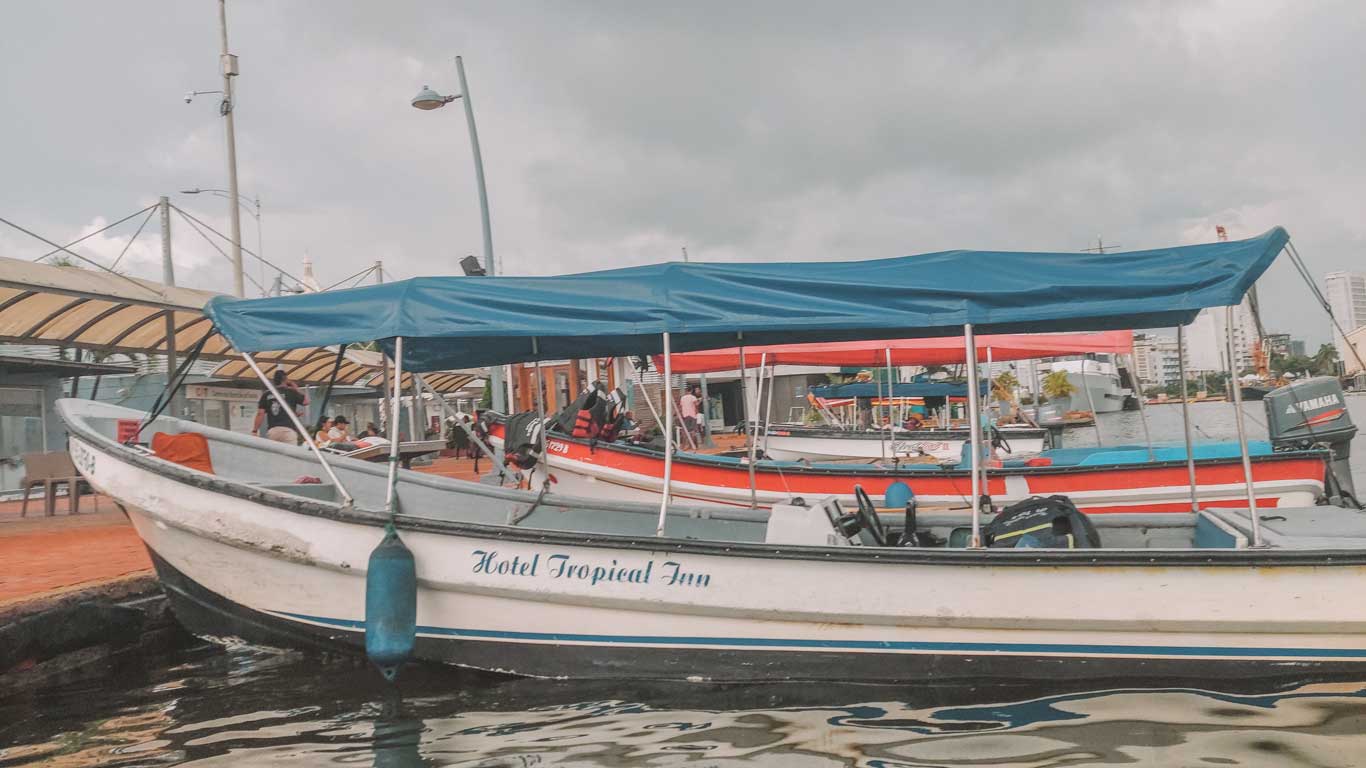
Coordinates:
(242,200)
(228,64)
(428,100)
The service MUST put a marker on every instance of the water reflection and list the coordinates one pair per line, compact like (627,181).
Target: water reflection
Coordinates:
(248,707)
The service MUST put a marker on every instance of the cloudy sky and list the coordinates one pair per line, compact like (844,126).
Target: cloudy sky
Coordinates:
(618,133)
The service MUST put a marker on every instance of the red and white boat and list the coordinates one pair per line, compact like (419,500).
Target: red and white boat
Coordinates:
(1105,480)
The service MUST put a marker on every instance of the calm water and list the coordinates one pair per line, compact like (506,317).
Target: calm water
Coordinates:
(205,706)
(1212,421)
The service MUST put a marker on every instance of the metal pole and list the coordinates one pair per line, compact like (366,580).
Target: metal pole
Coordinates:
(413,433)
(1091,401)
(891,396)
(758,410)
(1242,432)
(744,401)
(384,364)
(1142,409)
(768,407)
(260,245)
(229,66)
(1186,416)
(168,277)
(881,433)
(990,393)
(391,495)
(446,408)
(294,419)
(668,430)
(706,417)
(495,374)
(975,434)
(540,405)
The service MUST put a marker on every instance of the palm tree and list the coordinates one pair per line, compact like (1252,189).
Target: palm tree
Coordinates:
(1003,387)
(1056,385)
(1325,360)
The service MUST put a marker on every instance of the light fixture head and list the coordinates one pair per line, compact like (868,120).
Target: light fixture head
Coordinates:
(429,99)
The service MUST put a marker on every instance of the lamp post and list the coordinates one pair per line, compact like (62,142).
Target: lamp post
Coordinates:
(228,63)
(427,100)
(242,200)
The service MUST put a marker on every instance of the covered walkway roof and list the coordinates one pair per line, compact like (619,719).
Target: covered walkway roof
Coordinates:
(102,311)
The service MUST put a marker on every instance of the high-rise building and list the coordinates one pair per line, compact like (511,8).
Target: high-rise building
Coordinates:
(1207,340)
(1346,294)
(1157,360)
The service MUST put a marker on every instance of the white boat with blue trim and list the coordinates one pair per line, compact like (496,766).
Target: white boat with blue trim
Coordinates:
(534,583)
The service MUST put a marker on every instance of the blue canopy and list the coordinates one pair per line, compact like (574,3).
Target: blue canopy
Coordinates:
(900,389)
(456,322)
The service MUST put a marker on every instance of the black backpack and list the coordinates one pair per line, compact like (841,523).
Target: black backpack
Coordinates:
(1052,523)
(522,441)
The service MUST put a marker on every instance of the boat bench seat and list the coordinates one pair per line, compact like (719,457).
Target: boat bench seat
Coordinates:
(1319,527)
(316,491)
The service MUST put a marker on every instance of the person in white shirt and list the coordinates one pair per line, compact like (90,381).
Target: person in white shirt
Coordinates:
(688,408)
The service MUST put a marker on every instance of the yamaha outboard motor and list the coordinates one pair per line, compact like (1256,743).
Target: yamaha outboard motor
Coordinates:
(1314,412)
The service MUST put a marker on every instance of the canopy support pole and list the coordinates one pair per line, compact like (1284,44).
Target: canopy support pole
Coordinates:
(744,401)
(975,435)
(668,431)
(768,408)
(540,408)
(391,493)
(1242,431)
(986,411)
(1091,401)
(758,404)
(447,408)
(877,423)
(1186,416)
(347,500)
(645,395)
(1142,409)
(758,410)
(891,398)
(706,416)
(507,383)
(384,365)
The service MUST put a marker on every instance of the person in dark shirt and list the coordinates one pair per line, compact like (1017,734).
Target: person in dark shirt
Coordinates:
(279,427)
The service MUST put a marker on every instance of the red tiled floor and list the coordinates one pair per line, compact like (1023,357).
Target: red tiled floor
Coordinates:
(43,555)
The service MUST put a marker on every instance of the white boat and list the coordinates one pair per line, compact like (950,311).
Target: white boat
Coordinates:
(534,583)
(573,587)
(1096,382)
(797,443)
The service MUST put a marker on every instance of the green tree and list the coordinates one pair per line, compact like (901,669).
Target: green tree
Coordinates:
(1056,385)
(1325,361)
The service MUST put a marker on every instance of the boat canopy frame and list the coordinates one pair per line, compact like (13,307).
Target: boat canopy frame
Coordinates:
(444,322)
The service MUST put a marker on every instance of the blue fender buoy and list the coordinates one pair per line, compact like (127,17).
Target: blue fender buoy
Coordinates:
(897,495)
(390,605)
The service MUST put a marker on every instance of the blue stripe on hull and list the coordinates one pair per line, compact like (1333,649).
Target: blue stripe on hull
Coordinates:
(871,645)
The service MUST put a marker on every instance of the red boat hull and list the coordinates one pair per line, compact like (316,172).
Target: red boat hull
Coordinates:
(614,470)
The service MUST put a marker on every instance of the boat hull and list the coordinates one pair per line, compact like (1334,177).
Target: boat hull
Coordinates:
(281,570)
(944,445)
(614,471)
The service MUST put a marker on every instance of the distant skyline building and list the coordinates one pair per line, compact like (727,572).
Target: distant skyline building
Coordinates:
(1157,359)
(1206,339)
(1346,294)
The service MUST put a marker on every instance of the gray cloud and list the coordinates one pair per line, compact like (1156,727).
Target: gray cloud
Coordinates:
(616,133)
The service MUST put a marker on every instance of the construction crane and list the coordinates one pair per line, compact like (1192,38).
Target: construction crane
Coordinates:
(1260,351)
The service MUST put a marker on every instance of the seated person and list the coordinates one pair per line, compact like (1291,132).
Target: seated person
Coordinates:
(320,437)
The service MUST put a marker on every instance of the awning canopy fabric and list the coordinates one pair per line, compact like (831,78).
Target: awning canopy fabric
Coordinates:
(89,309)
(458,322)
(900,389)
(359,367)
(942,350)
